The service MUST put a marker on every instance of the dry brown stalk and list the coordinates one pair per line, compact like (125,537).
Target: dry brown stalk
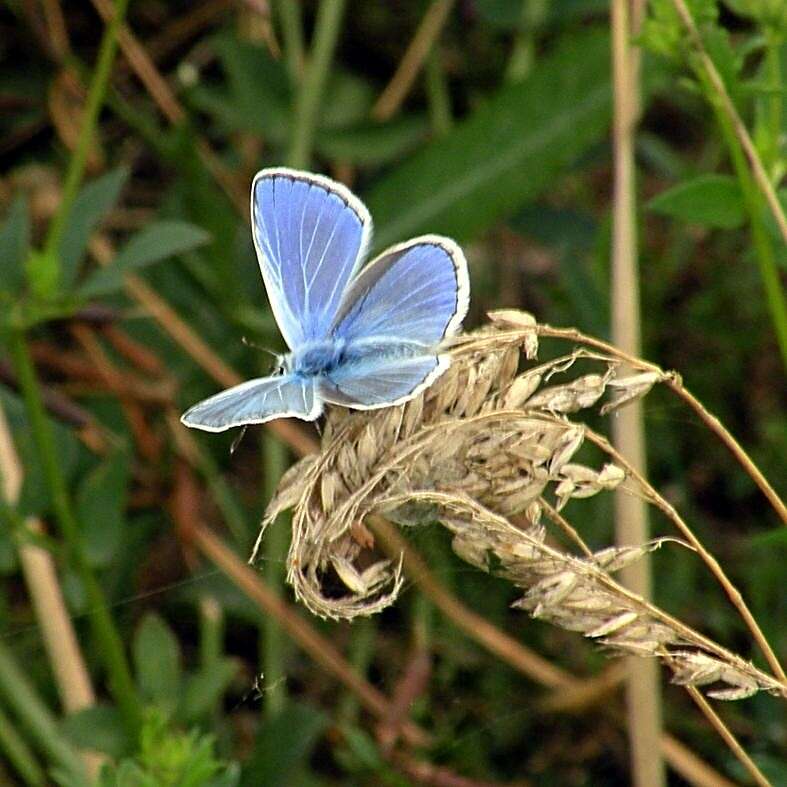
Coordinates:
(484,443)
(674,382)
(302,632)
(732,592)
(686,763)
(571,694)
(60,642)
(481,630)
(643,691)
(726,734)
(148,443)
(181,333)
(390,100)
(144,67)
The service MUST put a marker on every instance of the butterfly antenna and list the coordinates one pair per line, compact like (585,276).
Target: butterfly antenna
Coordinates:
(249,343)
(236,441)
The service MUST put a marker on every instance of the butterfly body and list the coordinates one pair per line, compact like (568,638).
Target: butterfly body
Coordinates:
(315,358)
(360,340)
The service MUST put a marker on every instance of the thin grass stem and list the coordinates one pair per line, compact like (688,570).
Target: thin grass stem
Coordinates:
(763,247)
(395,92)
(727,106)
(643,690)
(274,642)
(289,12)
(18,754)
(674,382)
(715,567)
(726,735)
(312,87)
(76,167)
(106,635)
(41,725)
(437,93)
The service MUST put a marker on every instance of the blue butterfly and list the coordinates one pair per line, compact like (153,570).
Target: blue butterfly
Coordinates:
(360,341)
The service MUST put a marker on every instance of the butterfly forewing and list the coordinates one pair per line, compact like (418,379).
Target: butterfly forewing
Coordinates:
(310,235)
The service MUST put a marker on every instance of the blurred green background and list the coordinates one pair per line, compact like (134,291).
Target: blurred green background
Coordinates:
(128,283)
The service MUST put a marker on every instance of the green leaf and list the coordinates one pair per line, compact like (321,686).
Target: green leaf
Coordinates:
(506,153)
(154,243)
(278,754)
(711,200)
(14,243)
(372,143)
(205,688)
(93,202)
(157,661)
(99,728)
(101,504)
(255,94)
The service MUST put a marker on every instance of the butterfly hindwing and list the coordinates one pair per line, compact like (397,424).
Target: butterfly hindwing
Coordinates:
(255,402)
(310,234)
(416,291)
(380,380)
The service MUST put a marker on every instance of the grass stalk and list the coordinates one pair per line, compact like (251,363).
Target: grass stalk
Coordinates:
(728,108)
(289,12)
(673,381)
(773,65)
(21,698)
(103,627)
(315,74)
(643,689)
(321,650)
(715,567)
(395,92)
(437,93)
(522,56)
(274,644)
(76,166)
(763,246)
(727,736)
(18,754)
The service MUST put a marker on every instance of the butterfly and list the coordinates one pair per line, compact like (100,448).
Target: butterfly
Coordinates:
(360,340)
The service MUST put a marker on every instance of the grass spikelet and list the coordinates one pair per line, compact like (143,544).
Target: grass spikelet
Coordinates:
(489,451)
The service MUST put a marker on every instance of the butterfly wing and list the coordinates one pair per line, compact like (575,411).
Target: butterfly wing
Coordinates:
(255,402)
(310,234)
(414,292)
(381,381)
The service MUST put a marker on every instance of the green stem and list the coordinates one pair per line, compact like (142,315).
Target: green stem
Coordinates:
(437,93)
(360,655)
(104,631)
(763,246)
(307,103)
(76,166)
(38,720)
(274,642)
(774,66)
(292,32)
(18,753)
(522,57)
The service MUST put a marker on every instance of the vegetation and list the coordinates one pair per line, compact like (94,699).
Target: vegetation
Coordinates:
(139,648)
